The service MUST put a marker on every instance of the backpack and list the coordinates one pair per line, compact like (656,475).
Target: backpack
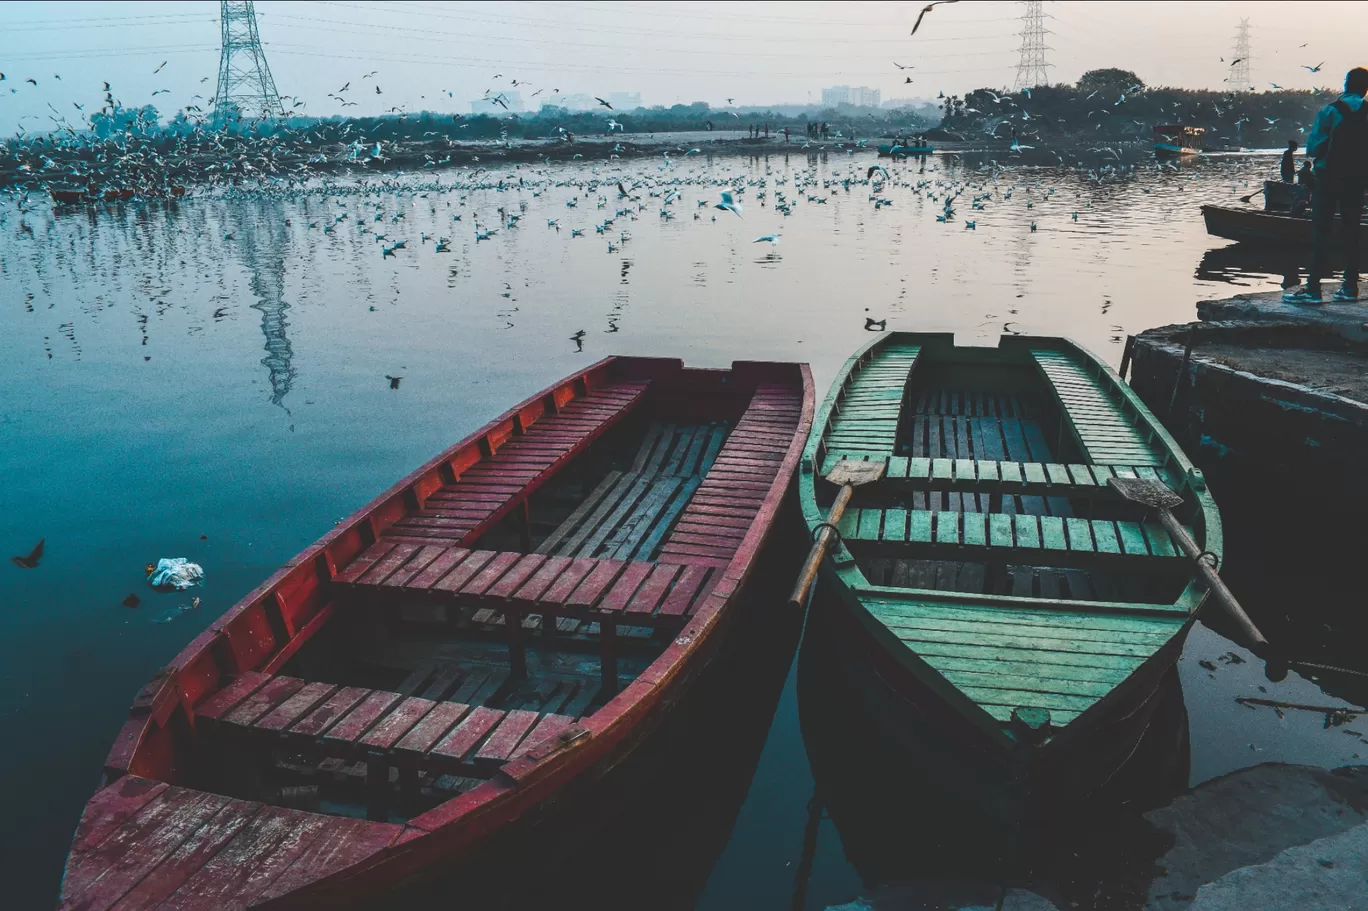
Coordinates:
(1347,157)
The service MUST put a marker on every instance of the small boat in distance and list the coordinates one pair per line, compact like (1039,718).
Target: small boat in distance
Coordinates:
(994,584)
(1267,228)
(1177,141)
(892,151)
(466,655)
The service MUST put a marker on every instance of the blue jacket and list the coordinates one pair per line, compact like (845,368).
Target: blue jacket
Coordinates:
(1318,144)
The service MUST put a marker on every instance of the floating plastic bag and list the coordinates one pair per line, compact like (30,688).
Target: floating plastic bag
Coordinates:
(175,572)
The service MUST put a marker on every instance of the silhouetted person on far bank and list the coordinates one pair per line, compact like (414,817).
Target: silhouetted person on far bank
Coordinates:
(1338,146)
(1289,162)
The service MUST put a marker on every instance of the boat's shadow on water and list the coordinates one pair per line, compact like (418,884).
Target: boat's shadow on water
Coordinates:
(649,834)
(916,824)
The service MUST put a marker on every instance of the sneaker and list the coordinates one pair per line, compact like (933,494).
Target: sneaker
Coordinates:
(1303,296)
(1346,294)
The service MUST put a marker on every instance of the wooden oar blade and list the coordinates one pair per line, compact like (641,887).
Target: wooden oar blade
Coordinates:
(1153,494)
(855,473)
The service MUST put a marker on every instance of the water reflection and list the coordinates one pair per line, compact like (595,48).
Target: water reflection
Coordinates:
(263,239)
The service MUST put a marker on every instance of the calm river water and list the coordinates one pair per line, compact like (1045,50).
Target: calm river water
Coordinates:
(209,380)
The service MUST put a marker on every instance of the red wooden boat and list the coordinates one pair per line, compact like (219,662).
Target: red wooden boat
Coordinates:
(494,632)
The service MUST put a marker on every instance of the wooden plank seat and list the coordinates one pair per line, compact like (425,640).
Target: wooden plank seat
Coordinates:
(1107,432)
(866,413)
(628,514)
(723,508)
(997,537)
(460,511)
(383,729)
(1003,477)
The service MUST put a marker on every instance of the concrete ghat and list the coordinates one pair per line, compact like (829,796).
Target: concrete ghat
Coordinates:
(1347,320)
(1237,840)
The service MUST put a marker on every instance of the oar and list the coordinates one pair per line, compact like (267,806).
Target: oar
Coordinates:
(849,474)
(1158,497)
(1252,195)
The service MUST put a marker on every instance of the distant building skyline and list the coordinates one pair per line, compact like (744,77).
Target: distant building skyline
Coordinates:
(860,95)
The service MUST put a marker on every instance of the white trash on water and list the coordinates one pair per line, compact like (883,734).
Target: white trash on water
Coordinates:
(176,572)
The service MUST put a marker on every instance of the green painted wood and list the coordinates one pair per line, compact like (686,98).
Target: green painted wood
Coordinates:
(895,525)
(999,679)
(964,469)
(870,522)
(975,529)
(1000,530)
(1027,531)
(1025,698)
(1103,675)
(919,467)
(1057,474)
(987,471)
(1158,539)
(1052,533)
(1003,713)
(919,526)
(1080,534)
(1085,639)
(947,527)
(982,653)
(1053,619)
(941,469)
(1061,643)
(1011,472)
(1035,473)
(1132,538)
(1105,535)
(897,467)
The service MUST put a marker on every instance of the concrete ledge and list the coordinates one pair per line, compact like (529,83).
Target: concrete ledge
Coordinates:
(1329,874)
(1347,320)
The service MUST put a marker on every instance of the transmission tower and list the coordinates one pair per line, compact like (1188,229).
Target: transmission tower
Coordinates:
(1240,80)
(1031,69)
(244,81)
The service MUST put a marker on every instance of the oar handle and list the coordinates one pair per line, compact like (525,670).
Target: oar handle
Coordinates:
(820,546)
(1215,586)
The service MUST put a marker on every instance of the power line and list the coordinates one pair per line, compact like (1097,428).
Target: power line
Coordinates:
(1031,71)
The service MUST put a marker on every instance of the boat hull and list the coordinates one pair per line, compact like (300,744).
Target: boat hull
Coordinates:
(1250,226)
(1111,756)
(213,695)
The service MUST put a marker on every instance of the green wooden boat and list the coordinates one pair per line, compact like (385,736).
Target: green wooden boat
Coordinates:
(991,583)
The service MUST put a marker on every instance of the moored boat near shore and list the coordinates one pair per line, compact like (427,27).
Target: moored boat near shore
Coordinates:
(505,624)
(996,587)
(1252,226)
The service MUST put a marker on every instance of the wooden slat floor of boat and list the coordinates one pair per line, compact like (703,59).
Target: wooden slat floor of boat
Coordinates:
(1108,434)
(357,723)
(172,847)
(457,512)
(1009,657)
(867,410)
(628,514)
(722,509)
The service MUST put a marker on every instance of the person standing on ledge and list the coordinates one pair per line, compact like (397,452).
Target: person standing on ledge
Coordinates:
(1338,146)
(1289,162)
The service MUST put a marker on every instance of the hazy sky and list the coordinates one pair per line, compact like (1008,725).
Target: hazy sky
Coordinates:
(756,53)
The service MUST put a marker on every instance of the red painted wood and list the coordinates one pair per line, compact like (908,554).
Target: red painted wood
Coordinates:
(549,726)
(653,590)
(111,807)
(225,699)
(491,573)
(397,723)
(506,737)
(192,854)
(101,876)
(512,580)
(327,714)
(359,720)
(365,561)
(434,725)
(462,574)
(686,590)
(438,568)
(296,707)
(566,582)
(542,579)
(621,593)
(341,844)
(263,700)
(469,732)
(387,564)
(258,853)
(305,633)
(419,562)
(596,583)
